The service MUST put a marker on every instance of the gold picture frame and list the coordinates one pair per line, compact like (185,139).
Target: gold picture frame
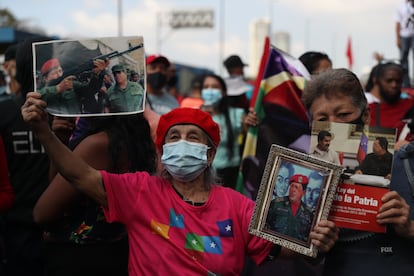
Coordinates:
(279,228)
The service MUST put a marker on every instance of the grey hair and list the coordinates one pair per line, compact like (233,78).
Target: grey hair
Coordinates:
(332,83)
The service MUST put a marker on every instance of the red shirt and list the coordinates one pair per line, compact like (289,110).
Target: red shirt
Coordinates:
(6,191)
(167,235)
(390,115)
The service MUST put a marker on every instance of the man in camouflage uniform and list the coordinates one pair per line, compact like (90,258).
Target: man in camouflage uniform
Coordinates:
(124,95)
(289,215)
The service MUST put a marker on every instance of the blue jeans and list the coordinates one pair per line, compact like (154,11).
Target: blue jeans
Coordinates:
(407,43)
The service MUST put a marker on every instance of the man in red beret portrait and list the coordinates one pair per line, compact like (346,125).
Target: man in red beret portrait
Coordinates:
(289,215)
(68,95)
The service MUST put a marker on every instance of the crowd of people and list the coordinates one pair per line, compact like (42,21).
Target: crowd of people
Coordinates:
(154,193)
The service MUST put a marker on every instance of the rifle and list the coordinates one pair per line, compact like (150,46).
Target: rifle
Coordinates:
(88,65)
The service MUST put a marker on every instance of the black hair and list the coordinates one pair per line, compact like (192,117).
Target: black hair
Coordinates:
(370,82)
(383,67)
(196,85)
(383,142)
(128,134)
(10,52)
(24,64)
(311,60)
(322,134)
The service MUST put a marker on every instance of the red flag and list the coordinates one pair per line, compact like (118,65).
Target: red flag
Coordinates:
(349,53)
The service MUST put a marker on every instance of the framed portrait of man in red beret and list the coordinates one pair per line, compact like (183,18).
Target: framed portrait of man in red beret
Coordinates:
(295,193)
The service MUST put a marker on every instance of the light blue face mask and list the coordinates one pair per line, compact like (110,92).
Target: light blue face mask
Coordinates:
(211,96)
(249,93)
(184,160)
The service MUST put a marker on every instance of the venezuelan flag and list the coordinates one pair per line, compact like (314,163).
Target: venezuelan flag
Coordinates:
(363,146)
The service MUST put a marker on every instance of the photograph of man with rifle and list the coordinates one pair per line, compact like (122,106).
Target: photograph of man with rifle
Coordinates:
(70,75)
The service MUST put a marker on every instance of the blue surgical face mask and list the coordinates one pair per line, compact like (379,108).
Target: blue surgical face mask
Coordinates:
(249,93)
(184,160)
(211,96)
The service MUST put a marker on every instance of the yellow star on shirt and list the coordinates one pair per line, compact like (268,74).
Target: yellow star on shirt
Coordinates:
(160,229)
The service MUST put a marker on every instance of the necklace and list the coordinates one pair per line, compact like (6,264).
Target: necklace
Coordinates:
(188,200)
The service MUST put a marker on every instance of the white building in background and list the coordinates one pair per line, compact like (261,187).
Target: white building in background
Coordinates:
(282,41)
(258,30)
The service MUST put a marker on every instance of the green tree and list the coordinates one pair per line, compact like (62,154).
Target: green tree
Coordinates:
(7,19)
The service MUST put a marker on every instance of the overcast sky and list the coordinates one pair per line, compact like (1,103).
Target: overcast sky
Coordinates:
(321,25)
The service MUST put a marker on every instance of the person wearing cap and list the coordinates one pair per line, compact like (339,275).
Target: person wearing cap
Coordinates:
(379,161)
(235,66)
(124,95)
(322,150)
(239,90)
(289,215)
(179,220)
(157,96)
(70,96)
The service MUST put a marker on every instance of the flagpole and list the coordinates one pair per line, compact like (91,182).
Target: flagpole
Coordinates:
(349,54)
(221,54)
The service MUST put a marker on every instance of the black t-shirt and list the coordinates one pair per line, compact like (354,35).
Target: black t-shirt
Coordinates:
(377,165)
(27,162)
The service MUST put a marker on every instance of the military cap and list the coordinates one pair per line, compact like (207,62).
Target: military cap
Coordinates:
(118,68)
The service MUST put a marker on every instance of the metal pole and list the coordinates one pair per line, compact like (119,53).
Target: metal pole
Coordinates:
(158,32)
(221,54)
(270,17)
(119,17)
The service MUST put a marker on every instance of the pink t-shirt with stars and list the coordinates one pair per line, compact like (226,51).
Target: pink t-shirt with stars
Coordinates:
(167,235)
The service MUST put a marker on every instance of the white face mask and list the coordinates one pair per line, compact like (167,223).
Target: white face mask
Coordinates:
(184,160)
(211,96)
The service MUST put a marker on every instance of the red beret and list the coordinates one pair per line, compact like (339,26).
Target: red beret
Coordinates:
(186,115)
(49,65)
(299,178)
(157,58)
